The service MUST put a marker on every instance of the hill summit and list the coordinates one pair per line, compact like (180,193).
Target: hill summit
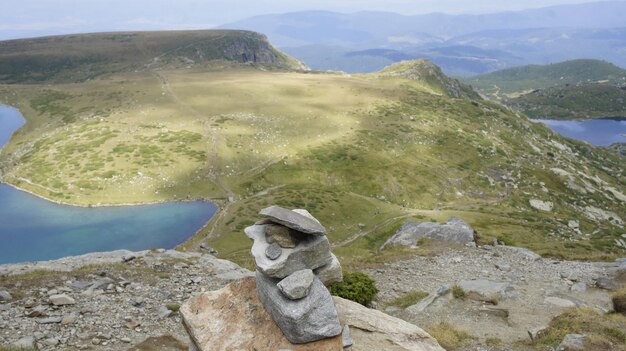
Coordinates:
(75,58)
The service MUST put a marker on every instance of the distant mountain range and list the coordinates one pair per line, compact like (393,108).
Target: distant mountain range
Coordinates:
(462,45)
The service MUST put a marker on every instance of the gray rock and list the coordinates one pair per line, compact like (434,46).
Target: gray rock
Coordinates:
(330,273)
(283,236)
(533,333)
(38,311)
(579,287)
(428,300)
(606,283)
(208,248)
(61,300)
(69,319)
(311,253)
(49,320)
(78,285)
(27,342)
(293,220)
(455,230)
(519,251)
(273,251)
(572,342)
(305,320)
(345,336)
(5,296)
(164,312)
(51,341)
(485,290)
(559,301)
(297,285)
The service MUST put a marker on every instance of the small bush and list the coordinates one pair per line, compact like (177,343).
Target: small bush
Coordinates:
(449,336)
(619,301)
(458,292)
(356,286)
(493,341)
(173,307)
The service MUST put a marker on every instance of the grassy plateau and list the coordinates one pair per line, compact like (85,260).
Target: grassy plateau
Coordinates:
(362,153)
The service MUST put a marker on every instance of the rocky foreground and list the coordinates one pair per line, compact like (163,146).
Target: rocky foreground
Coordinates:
(126,300)
(105,301)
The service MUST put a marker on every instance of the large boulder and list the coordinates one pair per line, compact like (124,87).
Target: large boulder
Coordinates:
(233,318)
(307,319)
(455,230)
(294,220)
(373,330)
(312,252)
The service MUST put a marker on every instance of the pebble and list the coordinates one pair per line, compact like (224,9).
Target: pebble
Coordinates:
(273,251)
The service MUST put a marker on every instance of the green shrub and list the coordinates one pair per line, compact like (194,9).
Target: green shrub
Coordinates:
(356,286)
(619,301)
(458,292)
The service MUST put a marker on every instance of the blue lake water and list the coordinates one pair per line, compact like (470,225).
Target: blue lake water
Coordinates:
(599,132)
(33,229)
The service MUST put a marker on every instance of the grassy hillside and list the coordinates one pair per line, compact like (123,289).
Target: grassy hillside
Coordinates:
(573,102)
(362,153)
(525,78)
(80,57)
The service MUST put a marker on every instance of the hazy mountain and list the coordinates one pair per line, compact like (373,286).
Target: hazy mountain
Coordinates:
(462,44)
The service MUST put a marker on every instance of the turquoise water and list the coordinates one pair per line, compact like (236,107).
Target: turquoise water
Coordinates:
(599,132)
(33,229)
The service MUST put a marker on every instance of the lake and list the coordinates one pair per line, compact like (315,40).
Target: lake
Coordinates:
(599,132)
(34,229)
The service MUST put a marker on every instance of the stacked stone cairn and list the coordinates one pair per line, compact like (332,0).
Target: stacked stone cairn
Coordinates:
(294,266)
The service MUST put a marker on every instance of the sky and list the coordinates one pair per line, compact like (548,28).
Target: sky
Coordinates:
(27,18)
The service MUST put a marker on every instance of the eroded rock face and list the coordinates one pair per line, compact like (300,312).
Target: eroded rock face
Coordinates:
(311,318)
(293,220)
(311,253)
(233,318)
(484,290)
(455,230)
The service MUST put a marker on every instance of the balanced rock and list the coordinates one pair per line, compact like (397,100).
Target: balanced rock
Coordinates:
(330,273)
(311,318)
(313,252)
(233,318)
(293,220)
(297,285)
(455,230)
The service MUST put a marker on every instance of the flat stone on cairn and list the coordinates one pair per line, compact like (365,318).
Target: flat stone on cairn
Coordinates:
(294,220)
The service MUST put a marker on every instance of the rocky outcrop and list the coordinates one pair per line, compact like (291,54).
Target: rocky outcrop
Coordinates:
(373,330)
(455,230)
(233,318)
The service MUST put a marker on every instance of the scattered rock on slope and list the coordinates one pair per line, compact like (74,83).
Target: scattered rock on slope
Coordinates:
(456,230)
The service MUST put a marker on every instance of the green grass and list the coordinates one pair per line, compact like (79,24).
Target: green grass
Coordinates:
(353,150)
(578,101)
(408,299)
(525,78)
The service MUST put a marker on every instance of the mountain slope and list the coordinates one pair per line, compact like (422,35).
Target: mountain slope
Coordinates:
(84,56)
(524,78)
(363,153)
(573,102)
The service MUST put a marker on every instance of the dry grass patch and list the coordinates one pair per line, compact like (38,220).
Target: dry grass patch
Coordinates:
(604,332)
(449,336)
(409,299)
(619,301)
